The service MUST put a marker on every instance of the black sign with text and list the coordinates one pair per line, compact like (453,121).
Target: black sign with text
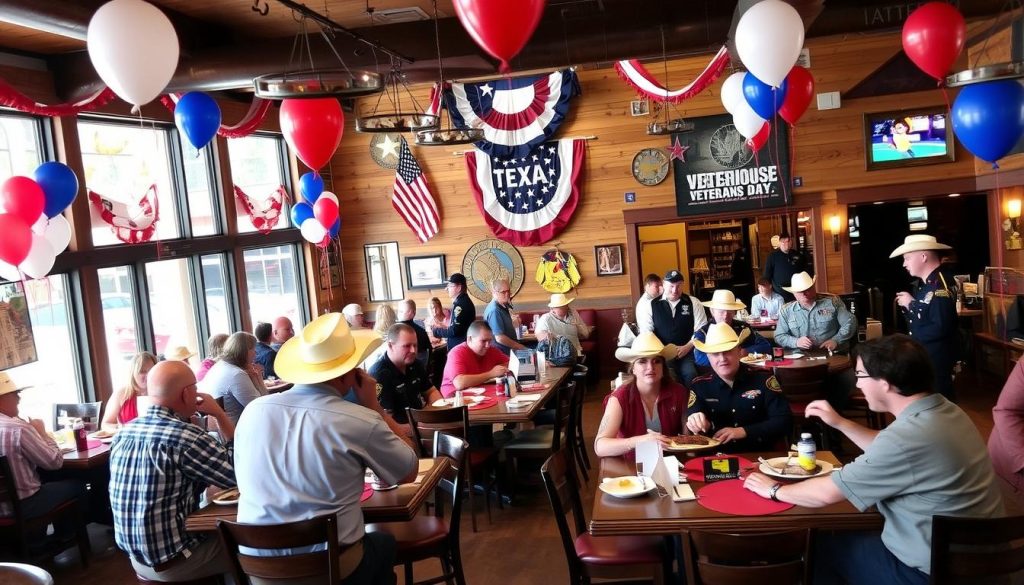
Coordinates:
(719,468)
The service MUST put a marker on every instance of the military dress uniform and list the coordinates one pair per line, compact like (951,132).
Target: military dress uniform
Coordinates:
(397,391)
(463,315)
(932,321)
(754,402)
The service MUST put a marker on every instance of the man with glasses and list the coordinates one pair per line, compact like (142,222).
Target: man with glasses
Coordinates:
(463,312)
(498,315)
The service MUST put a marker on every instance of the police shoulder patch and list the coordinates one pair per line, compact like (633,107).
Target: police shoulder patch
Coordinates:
(458,310)
(773,384)
(692,400)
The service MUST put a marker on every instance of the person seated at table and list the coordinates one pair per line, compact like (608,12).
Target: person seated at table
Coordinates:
(264,353)
(674,318)
(562,320)
(767,303)
(236,377)
(498,314)
(814,321)
(651,407)
(28,448)
(402,381)
(159,464)
(179,353)
(123,407)
(723,306)
(354,316)
(1006,443)
(214,347)
(474,362)
(406,314)
(741,407)
(436,319)
(652,291)
(283,331)
(930,461)
(333,442)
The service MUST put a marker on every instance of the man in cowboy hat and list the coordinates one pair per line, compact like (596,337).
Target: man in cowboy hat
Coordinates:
(354,316)
(652,291)
(674,318)
(562,320)
(782,264)
(931,309)
(499,316)
(463,312)
(179,353)
(744,408)
(723,306)
(814,321)
(304,452)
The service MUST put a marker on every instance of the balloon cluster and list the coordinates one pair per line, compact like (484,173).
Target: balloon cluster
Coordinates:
(500,27)
(318,216)
(34,231)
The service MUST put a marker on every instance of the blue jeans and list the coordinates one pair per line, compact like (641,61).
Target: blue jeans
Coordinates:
(860,558)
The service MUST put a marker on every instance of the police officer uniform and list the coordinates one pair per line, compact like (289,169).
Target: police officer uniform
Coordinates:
(397,391)
(463,315)
(932,321)
(754,402)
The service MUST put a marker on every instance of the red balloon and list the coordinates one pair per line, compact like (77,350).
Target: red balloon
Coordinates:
(23,197)
(326,212)
(17,239)
(761,138)
(313,129)
(500,27)
(799,91)
(933,37)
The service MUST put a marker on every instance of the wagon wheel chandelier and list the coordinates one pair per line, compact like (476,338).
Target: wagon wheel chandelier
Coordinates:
(397,120)
(667,125)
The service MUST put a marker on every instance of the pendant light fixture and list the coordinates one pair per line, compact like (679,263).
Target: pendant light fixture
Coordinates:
(397,120)
(667,125)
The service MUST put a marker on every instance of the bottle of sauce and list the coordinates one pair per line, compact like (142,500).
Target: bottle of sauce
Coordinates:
(807,452)
(81,443)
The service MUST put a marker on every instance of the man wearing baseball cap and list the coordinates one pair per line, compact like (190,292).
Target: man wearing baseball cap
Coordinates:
(674,318)
(463,312)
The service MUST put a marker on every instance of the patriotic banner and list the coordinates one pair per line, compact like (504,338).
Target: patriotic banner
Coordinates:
(516,114)
(411,196)
(636,75)
(528,200)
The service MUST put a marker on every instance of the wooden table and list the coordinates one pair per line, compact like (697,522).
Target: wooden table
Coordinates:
(397,505)
(836,362)
(652,515)
(501,414)
(92,458)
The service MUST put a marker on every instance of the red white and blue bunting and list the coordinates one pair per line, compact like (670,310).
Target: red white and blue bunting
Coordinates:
(132,224)
(636,75)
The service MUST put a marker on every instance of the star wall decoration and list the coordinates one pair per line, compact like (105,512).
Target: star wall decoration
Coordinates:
(677,151)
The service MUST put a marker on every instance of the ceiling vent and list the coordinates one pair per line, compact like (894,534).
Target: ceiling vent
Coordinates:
(396,15)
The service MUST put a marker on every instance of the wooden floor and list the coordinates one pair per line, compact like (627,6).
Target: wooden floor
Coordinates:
(521,545)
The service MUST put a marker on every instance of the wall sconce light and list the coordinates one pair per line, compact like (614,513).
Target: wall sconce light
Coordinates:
(833,226)
(1010,226)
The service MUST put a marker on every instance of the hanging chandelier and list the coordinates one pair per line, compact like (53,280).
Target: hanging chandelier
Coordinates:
(397,120)
(996,72)
(667,125)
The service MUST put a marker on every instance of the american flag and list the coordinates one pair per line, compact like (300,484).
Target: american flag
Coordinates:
(411,197)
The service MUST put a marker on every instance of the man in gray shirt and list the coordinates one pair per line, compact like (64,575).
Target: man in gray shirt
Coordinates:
(498,315)
(930,461)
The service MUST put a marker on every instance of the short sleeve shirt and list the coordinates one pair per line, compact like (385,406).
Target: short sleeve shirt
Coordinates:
(462,360)
(397,391)
(500,320)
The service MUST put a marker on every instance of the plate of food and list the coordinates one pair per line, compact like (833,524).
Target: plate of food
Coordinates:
(753,358)
(691,443)
(627,486)
(793,356)
(103,436)
(787,468)
(228,497)
(467,400)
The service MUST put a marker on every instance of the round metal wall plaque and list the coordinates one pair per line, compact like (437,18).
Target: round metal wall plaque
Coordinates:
(489,260)
(384,149)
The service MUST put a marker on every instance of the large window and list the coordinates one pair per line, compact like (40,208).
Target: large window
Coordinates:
(172,304)
(217,302)
(273,284)
(257,168)
(124,340)
(200,192)
(20,148)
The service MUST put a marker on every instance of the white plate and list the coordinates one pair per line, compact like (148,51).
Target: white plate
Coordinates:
(517,403)
(627,486)
(467,400)
(755,358)
(228,497)
(826,468)
(793,356)
(682,447)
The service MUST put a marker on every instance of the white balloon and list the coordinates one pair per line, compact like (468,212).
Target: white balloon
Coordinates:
(40,225)
(40,258)
(58,233)
(9,272)
(769,37)
(746,120)
(732,91)
(133,47)
(312,231)
(329,195)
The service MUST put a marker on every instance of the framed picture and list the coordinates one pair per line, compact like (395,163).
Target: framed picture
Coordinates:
(425,271)
(330,274)
(904,138)
(639,107)
(383,271)
(609,259)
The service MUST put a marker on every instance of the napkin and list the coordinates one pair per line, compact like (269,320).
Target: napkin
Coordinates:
(655,466)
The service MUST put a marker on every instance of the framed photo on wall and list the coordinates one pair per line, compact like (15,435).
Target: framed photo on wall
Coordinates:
(425,271)
(609,259)
(330,273)
(904,138)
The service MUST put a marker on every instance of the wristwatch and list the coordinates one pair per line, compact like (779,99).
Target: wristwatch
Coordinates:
(773,492)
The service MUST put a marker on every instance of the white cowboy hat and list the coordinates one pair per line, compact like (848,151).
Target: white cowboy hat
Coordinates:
(721,337)
(324,350)
(724,300)
(179,354)
(559,300)
(646,344)
(352,309)
(801,281)
(917,243)
(7,384)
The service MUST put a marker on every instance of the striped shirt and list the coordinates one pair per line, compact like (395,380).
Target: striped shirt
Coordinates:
(26,450)
(159,466)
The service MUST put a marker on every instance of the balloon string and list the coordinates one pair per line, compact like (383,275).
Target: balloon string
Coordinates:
(945,96)
(1003,289)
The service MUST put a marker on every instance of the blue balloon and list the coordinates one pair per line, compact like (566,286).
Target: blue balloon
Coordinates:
(300,213)
(988,117)
(336,228)
(763,98)
(60,185)
(197,116)
(311,185)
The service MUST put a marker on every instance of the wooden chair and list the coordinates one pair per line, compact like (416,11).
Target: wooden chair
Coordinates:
(24,531)
(974,550)
(89,412)
(203,581)
(426,537)
(590,557)
(801,386)
(288,535)
(481,461)
(540,443)
(580,375)
(715,558)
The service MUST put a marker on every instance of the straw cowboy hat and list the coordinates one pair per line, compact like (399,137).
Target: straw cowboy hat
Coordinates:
(918,243)
(7,384)
(801,281)
(179,354)
(724,300)
(559,300)
(646,345)
(324,350)
(721,337)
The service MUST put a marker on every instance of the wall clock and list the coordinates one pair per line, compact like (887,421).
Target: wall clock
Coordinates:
(650,166)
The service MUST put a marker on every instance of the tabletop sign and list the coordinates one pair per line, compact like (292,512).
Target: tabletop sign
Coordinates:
(719,468)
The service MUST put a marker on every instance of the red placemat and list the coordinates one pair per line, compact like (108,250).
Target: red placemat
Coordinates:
(769,364)
(367,492)
(535,387)
(487,402)
(694,468)
(730,497)
(93,443)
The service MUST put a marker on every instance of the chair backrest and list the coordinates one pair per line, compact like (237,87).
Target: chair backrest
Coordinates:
(966,550)
(559,478)
(802,385)
(275,536)
(89,412)
(588,316)
(451,421)
(8,489)
(736,559)
(565,416)
(454,448)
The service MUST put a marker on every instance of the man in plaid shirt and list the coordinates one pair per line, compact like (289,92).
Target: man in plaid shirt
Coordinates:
(159,465)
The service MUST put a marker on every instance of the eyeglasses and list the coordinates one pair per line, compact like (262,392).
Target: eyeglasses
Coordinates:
(861,375)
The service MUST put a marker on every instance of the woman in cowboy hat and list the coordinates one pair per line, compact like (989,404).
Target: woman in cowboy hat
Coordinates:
(745,409)
(562,320)
(650,407)
(723,306)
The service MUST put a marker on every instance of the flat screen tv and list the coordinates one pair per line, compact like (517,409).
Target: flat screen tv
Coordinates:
(907,138)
